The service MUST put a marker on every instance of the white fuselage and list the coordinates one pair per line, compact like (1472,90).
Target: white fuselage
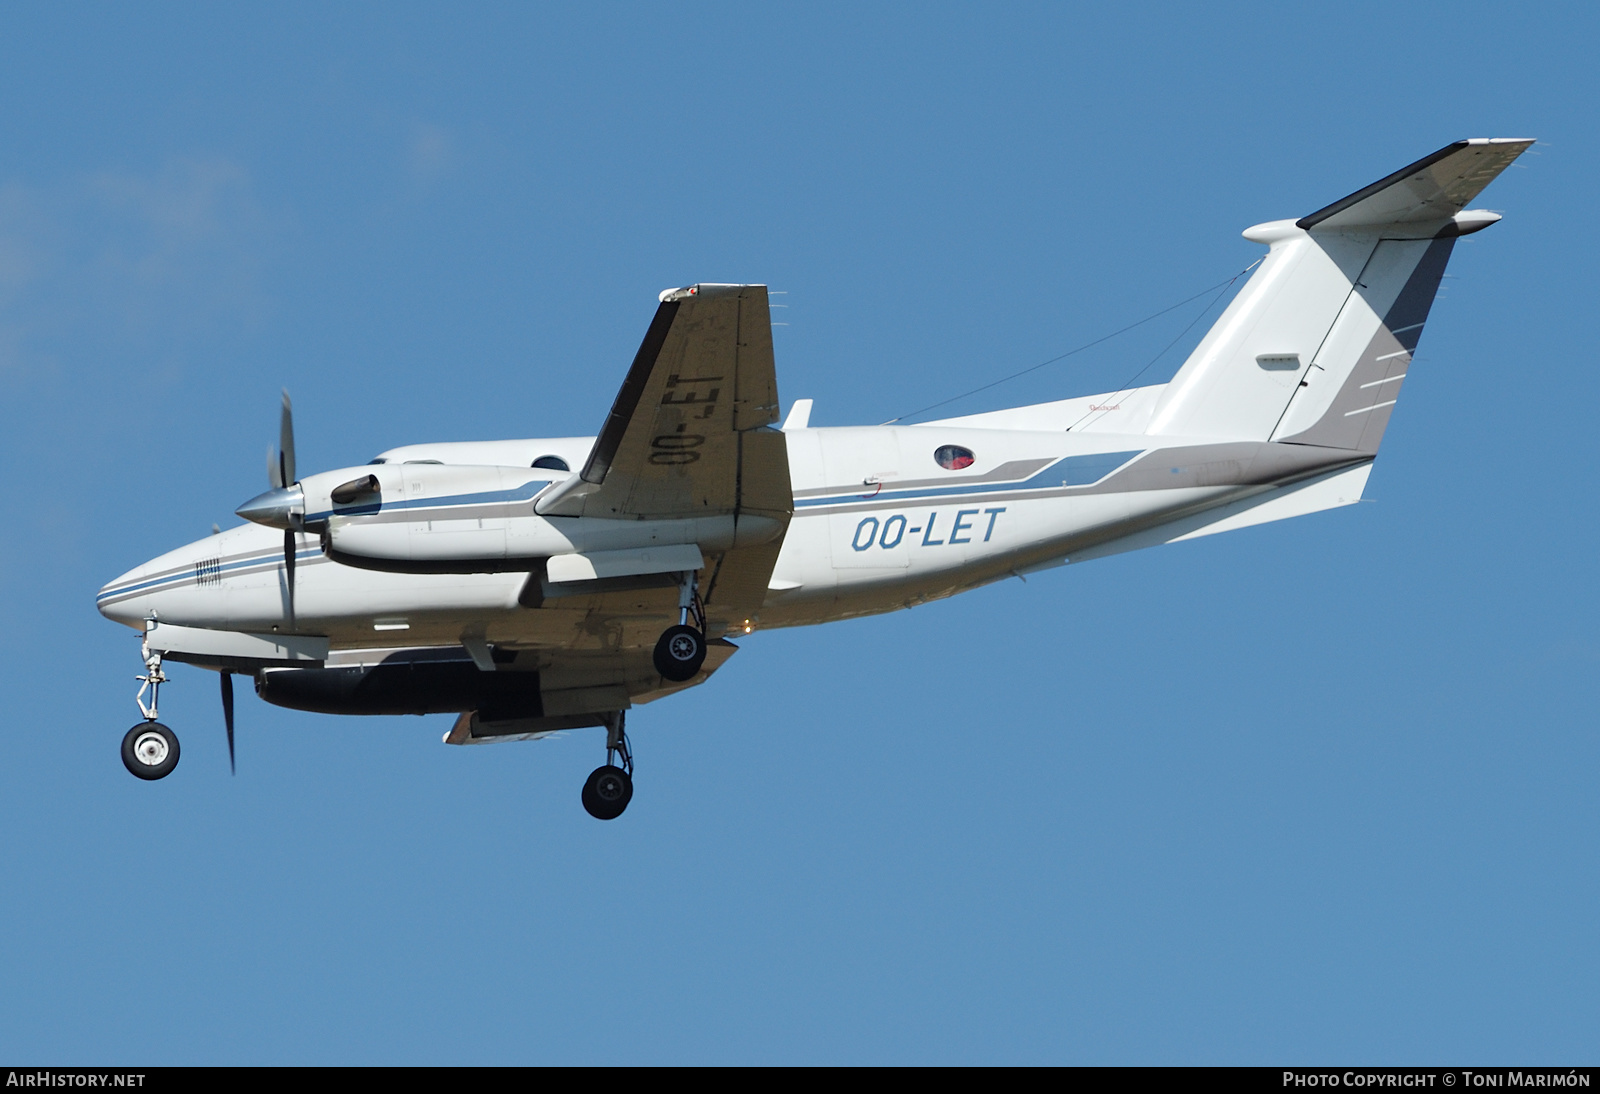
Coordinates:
(878,525)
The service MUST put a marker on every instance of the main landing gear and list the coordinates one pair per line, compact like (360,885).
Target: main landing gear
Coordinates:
(679,654)
(681,649)
(150,749)
(609,788)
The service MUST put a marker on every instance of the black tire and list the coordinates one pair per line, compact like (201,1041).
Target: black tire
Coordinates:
(150,750)
(607,792)
(680,652)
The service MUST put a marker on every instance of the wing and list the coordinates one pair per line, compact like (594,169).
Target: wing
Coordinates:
(690,435)
(583,688)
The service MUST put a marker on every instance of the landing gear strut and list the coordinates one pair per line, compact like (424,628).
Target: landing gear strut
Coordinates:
(681,650)
(609,789)
(150,749)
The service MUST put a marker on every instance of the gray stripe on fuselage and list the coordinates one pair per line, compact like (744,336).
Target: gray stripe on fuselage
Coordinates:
(1010,471)
(1240,463)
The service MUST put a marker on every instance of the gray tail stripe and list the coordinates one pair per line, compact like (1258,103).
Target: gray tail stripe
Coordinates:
(1410,309)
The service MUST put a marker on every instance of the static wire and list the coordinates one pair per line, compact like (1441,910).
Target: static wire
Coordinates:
(1128,384)
(1219,288)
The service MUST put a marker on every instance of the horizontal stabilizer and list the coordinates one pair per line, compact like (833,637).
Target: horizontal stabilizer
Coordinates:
(1434,189)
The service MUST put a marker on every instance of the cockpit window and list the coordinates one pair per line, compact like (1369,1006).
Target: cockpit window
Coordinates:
(436,463)
(952,457)
(380,459)
(552,463)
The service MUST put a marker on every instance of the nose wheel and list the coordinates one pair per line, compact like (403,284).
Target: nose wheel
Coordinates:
(150,749)
(609,788)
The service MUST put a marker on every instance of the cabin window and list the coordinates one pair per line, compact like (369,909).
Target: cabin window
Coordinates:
(952,457)
(551,463)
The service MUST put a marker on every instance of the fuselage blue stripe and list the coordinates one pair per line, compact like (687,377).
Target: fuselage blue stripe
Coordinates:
(1070,471)
(526,492)
(265,558)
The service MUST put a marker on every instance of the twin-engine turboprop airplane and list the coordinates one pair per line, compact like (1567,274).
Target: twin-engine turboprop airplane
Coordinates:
(541,585)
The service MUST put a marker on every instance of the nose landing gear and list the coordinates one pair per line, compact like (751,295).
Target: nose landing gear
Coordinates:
(609,788)
(150,749)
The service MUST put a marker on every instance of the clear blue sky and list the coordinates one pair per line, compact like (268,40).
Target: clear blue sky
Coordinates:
(1319,791)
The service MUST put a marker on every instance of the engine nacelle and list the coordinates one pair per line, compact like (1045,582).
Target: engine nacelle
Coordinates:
(418,488)
(429,518)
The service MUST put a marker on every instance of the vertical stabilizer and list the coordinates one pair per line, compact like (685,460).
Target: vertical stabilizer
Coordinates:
(1314,348)
(1345,398)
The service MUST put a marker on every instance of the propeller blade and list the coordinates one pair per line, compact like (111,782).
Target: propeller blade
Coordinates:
(227,715)
(286,443)
(274,470)
(289,546)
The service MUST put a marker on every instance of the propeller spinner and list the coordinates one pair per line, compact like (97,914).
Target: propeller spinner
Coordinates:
(284,506)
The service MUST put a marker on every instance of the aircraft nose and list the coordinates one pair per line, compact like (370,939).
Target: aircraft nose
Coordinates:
(121,601)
